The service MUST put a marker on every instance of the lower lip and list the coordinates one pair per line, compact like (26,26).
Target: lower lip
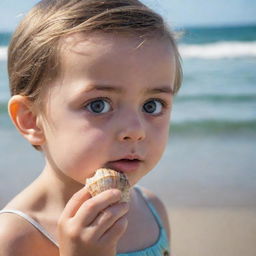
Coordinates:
(125,165)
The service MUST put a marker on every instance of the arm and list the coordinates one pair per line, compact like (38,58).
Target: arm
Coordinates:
(19,238)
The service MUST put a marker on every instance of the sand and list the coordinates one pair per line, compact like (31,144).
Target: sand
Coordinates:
(199,231)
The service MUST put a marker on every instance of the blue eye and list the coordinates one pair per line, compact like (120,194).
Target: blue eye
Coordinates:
(153,107)
(98,106)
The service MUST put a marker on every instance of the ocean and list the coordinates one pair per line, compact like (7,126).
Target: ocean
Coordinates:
(210,158)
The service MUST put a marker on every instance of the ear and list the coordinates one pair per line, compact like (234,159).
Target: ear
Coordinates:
(25,120)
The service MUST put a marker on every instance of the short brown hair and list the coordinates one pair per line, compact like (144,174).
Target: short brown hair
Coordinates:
(33,51)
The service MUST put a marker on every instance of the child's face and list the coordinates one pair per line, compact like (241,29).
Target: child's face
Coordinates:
(110,105)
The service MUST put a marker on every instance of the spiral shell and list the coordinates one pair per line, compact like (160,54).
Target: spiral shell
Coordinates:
(105,179)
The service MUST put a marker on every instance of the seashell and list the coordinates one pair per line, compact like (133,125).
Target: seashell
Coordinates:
(105,179)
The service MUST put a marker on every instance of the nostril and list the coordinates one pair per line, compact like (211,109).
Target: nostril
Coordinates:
(129,138)
(131,135)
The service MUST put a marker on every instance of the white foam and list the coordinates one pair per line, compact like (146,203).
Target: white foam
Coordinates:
(219,50)
(3,53)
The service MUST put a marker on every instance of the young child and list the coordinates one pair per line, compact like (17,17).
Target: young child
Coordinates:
(92,84)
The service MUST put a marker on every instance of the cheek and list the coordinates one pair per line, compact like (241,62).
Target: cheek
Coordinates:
(159,138)
(161,130)
(78,154)
(94,142)
(89,144)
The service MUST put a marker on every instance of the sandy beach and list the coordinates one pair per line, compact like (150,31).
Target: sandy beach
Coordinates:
(203,231)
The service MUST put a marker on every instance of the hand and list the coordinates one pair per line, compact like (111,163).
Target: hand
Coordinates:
(92,226)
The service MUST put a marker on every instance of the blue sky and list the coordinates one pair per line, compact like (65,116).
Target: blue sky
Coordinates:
(178,12)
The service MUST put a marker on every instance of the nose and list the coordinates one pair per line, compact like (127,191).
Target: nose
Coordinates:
(132,128)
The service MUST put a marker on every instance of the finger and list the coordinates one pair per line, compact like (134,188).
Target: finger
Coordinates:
(91,208)
(114,233)
(75,203)
(108,217)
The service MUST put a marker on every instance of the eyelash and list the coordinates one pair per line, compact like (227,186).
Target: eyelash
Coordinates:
(164,103)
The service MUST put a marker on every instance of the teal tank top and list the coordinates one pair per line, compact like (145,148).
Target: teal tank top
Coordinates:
(159,248)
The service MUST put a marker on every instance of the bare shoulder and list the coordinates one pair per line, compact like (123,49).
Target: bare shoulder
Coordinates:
(17,237)
(160,207)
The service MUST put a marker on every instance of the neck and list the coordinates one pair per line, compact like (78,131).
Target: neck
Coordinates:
(59,188)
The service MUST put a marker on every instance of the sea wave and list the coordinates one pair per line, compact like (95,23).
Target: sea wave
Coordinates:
(219,50)
(213,127)
(217,98)
(3,53)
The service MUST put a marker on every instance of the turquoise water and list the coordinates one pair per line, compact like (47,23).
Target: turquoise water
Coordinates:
(4,38)
(204,35)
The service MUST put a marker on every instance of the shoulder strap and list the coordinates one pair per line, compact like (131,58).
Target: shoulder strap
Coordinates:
(33,222)
(151,206)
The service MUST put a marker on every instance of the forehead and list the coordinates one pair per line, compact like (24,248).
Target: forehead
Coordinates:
(116,59)
(112,45)
(78,41)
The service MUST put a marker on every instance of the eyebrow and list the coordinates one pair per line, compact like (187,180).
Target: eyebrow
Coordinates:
(164,89)
(109,88)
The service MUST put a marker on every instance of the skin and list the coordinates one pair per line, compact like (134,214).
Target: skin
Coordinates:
(132,88)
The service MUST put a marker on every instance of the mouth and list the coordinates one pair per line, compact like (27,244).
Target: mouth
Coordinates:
(125,165)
